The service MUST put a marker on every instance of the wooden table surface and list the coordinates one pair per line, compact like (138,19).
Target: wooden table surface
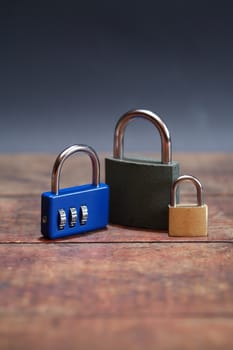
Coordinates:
(118,288)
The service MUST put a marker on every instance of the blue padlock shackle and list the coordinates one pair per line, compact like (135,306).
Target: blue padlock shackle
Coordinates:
(118,148)
(55,180)
(197,184)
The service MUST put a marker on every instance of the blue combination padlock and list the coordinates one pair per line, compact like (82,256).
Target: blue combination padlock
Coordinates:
(76,209)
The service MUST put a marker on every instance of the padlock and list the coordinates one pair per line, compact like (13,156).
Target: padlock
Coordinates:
(76,209)
(188,219)
(139,188)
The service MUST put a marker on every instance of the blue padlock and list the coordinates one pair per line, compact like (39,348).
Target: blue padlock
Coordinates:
(76,209)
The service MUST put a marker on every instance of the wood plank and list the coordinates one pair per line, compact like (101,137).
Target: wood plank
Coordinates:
(20,222)
(122,280)
(23,174)
(43,331)
(119,287)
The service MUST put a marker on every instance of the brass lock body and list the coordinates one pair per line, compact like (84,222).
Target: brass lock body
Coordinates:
(188,220)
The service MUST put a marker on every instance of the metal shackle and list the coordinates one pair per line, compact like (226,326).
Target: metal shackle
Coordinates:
(118,148)
(197,184)
(55,180)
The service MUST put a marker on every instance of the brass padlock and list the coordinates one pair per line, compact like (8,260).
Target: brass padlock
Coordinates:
(188,219)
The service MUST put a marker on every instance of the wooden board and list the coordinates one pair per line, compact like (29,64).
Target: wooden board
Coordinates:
(30,173)
(118,288)
(21,223)
(57,332)
(118,279)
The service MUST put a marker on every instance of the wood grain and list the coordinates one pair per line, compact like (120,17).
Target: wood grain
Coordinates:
(117,288)
(116,296)
(30,173)
(123,280)
(58,332)
(21,223)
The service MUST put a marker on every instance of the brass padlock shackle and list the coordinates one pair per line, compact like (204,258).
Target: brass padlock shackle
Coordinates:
(118,148)
(55,179)
(197,184)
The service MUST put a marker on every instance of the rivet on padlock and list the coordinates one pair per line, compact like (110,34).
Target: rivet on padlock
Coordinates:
(188,219)
(76,209)
(139,188)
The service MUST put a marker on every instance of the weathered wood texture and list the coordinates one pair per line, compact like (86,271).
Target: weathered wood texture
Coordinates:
(118,288)
(20,222)
(118,279)
(30,174)
(149,295)
(72,332)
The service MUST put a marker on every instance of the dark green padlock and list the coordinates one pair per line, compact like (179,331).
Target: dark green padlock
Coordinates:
(140,189)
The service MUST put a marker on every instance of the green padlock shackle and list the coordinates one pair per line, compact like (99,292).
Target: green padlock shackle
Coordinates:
(55,180)
(197,184)
(118,148)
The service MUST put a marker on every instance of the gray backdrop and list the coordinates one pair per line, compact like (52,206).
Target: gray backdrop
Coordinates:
(69,69)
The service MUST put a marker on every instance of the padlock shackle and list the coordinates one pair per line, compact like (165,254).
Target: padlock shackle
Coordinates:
(55,179)
(118,148)
(197,184)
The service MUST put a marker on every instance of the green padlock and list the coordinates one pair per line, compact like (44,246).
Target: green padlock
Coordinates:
(140,189)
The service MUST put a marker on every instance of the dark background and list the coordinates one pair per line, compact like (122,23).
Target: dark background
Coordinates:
(70,69)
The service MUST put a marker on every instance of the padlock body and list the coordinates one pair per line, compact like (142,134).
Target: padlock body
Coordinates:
(188,220)
(94,198)
(140,192)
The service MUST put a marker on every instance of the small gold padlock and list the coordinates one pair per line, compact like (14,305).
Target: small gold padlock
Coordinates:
(188,219)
